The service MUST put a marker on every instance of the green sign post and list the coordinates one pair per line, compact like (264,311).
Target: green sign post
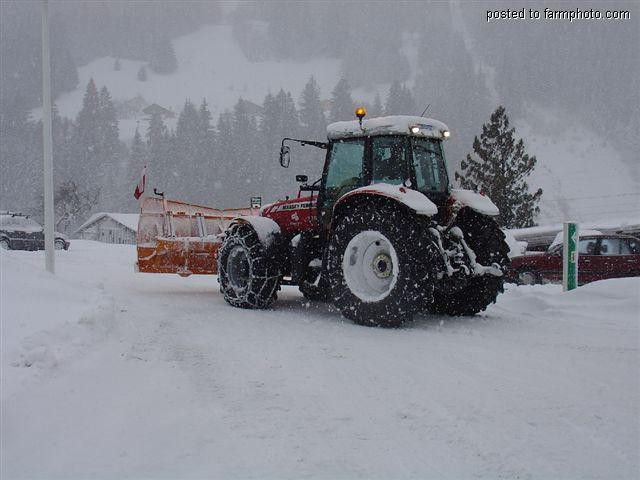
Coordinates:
(570,256)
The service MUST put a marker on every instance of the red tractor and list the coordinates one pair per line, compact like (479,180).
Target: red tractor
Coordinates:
(381,234)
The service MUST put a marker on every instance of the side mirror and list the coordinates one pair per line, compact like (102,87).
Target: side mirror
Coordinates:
(285,157)
(302,178)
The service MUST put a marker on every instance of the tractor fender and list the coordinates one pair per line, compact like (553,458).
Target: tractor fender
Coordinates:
(266,229)
(475,201)
(415,201)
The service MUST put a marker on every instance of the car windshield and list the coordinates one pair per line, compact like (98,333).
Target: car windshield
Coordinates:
(428,161)
(11,222)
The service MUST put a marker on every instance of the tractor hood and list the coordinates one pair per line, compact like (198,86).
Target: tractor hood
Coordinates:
(392,125)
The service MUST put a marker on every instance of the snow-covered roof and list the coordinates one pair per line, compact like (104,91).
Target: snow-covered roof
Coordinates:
(129,220)
(624,225)
(581,233)
(392,125)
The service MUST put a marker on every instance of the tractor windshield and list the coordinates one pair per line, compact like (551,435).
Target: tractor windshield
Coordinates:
(428,161)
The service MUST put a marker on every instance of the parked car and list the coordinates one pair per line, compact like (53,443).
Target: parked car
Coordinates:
(600,256)
(20,232)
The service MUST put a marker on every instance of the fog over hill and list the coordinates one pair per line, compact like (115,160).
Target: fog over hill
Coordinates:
(570,88)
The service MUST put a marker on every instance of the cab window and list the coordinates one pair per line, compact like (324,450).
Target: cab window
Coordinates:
(344,172)
(431,173)
(389,154)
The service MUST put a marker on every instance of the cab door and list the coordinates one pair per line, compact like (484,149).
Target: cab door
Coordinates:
(344,171)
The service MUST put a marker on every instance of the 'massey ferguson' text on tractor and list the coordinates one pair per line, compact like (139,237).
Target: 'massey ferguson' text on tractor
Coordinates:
(381,234)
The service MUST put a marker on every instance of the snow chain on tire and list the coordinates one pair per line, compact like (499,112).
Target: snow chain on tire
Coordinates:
(248,277)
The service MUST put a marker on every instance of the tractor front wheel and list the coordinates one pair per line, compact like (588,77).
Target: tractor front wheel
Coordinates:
(381,267)
(248,277)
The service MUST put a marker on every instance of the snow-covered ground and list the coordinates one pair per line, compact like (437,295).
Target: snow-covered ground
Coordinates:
(107,373)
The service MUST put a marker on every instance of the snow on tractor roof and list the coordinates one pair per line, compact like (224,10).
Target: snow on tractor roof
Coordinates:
(391,125)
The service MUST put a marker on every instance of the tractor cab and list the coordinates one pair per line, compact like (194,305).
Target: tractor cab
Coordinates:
(394,150)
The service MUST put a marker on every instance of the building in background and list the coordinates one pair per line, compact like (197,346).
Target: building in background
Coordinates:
(110,228)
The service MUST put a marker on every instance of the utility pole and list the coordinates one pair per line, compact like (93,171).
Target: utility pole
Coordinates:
(49,250)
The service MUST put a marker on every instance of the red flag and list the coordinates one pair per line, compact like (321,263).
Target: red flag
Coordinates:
(140,187)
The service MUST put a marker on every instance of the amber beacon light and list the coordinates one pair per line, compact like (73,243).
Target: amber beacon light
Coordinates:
(360,113)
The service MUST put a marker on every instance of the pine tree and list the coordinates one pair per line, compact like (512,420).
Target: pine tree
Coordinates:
(289,124)
(138,152)
(112,166)
(142,74)
(206,159)
(499,171)
(400,101)
(159,164)
(186,146)
(108,126)
(163,57)
(87,138)
(269,123)
(312,119)
(20,152)
(342,106)
(225,154)
(244,135)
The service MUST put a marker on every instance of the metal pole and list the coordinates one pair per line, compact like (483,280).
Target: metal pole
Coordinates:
(49,250)
(571,237)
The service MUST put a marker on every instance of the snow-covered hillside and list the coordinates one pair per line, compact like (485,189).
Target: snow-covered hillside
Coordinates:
(583,176)
(107,373)
(210,65)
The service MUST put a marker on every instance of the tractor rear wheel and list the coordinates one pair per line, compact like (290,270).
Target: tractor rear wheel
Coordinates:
(381,266)
(248,277)
(485,238)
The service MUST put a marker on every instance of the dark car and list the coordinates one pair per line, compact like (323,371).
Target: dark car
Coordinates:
(600,256)
(19,232)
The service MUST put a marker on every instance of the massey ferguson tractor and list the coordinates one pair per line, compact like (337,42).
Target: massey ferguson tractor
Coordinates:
(381,234)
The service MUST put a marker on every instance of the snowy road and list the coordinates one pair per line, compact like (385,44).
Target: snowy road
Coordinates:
(107,374)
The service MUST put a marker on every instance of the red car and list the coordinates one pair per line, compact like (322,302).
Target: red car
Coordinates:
(600,256)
